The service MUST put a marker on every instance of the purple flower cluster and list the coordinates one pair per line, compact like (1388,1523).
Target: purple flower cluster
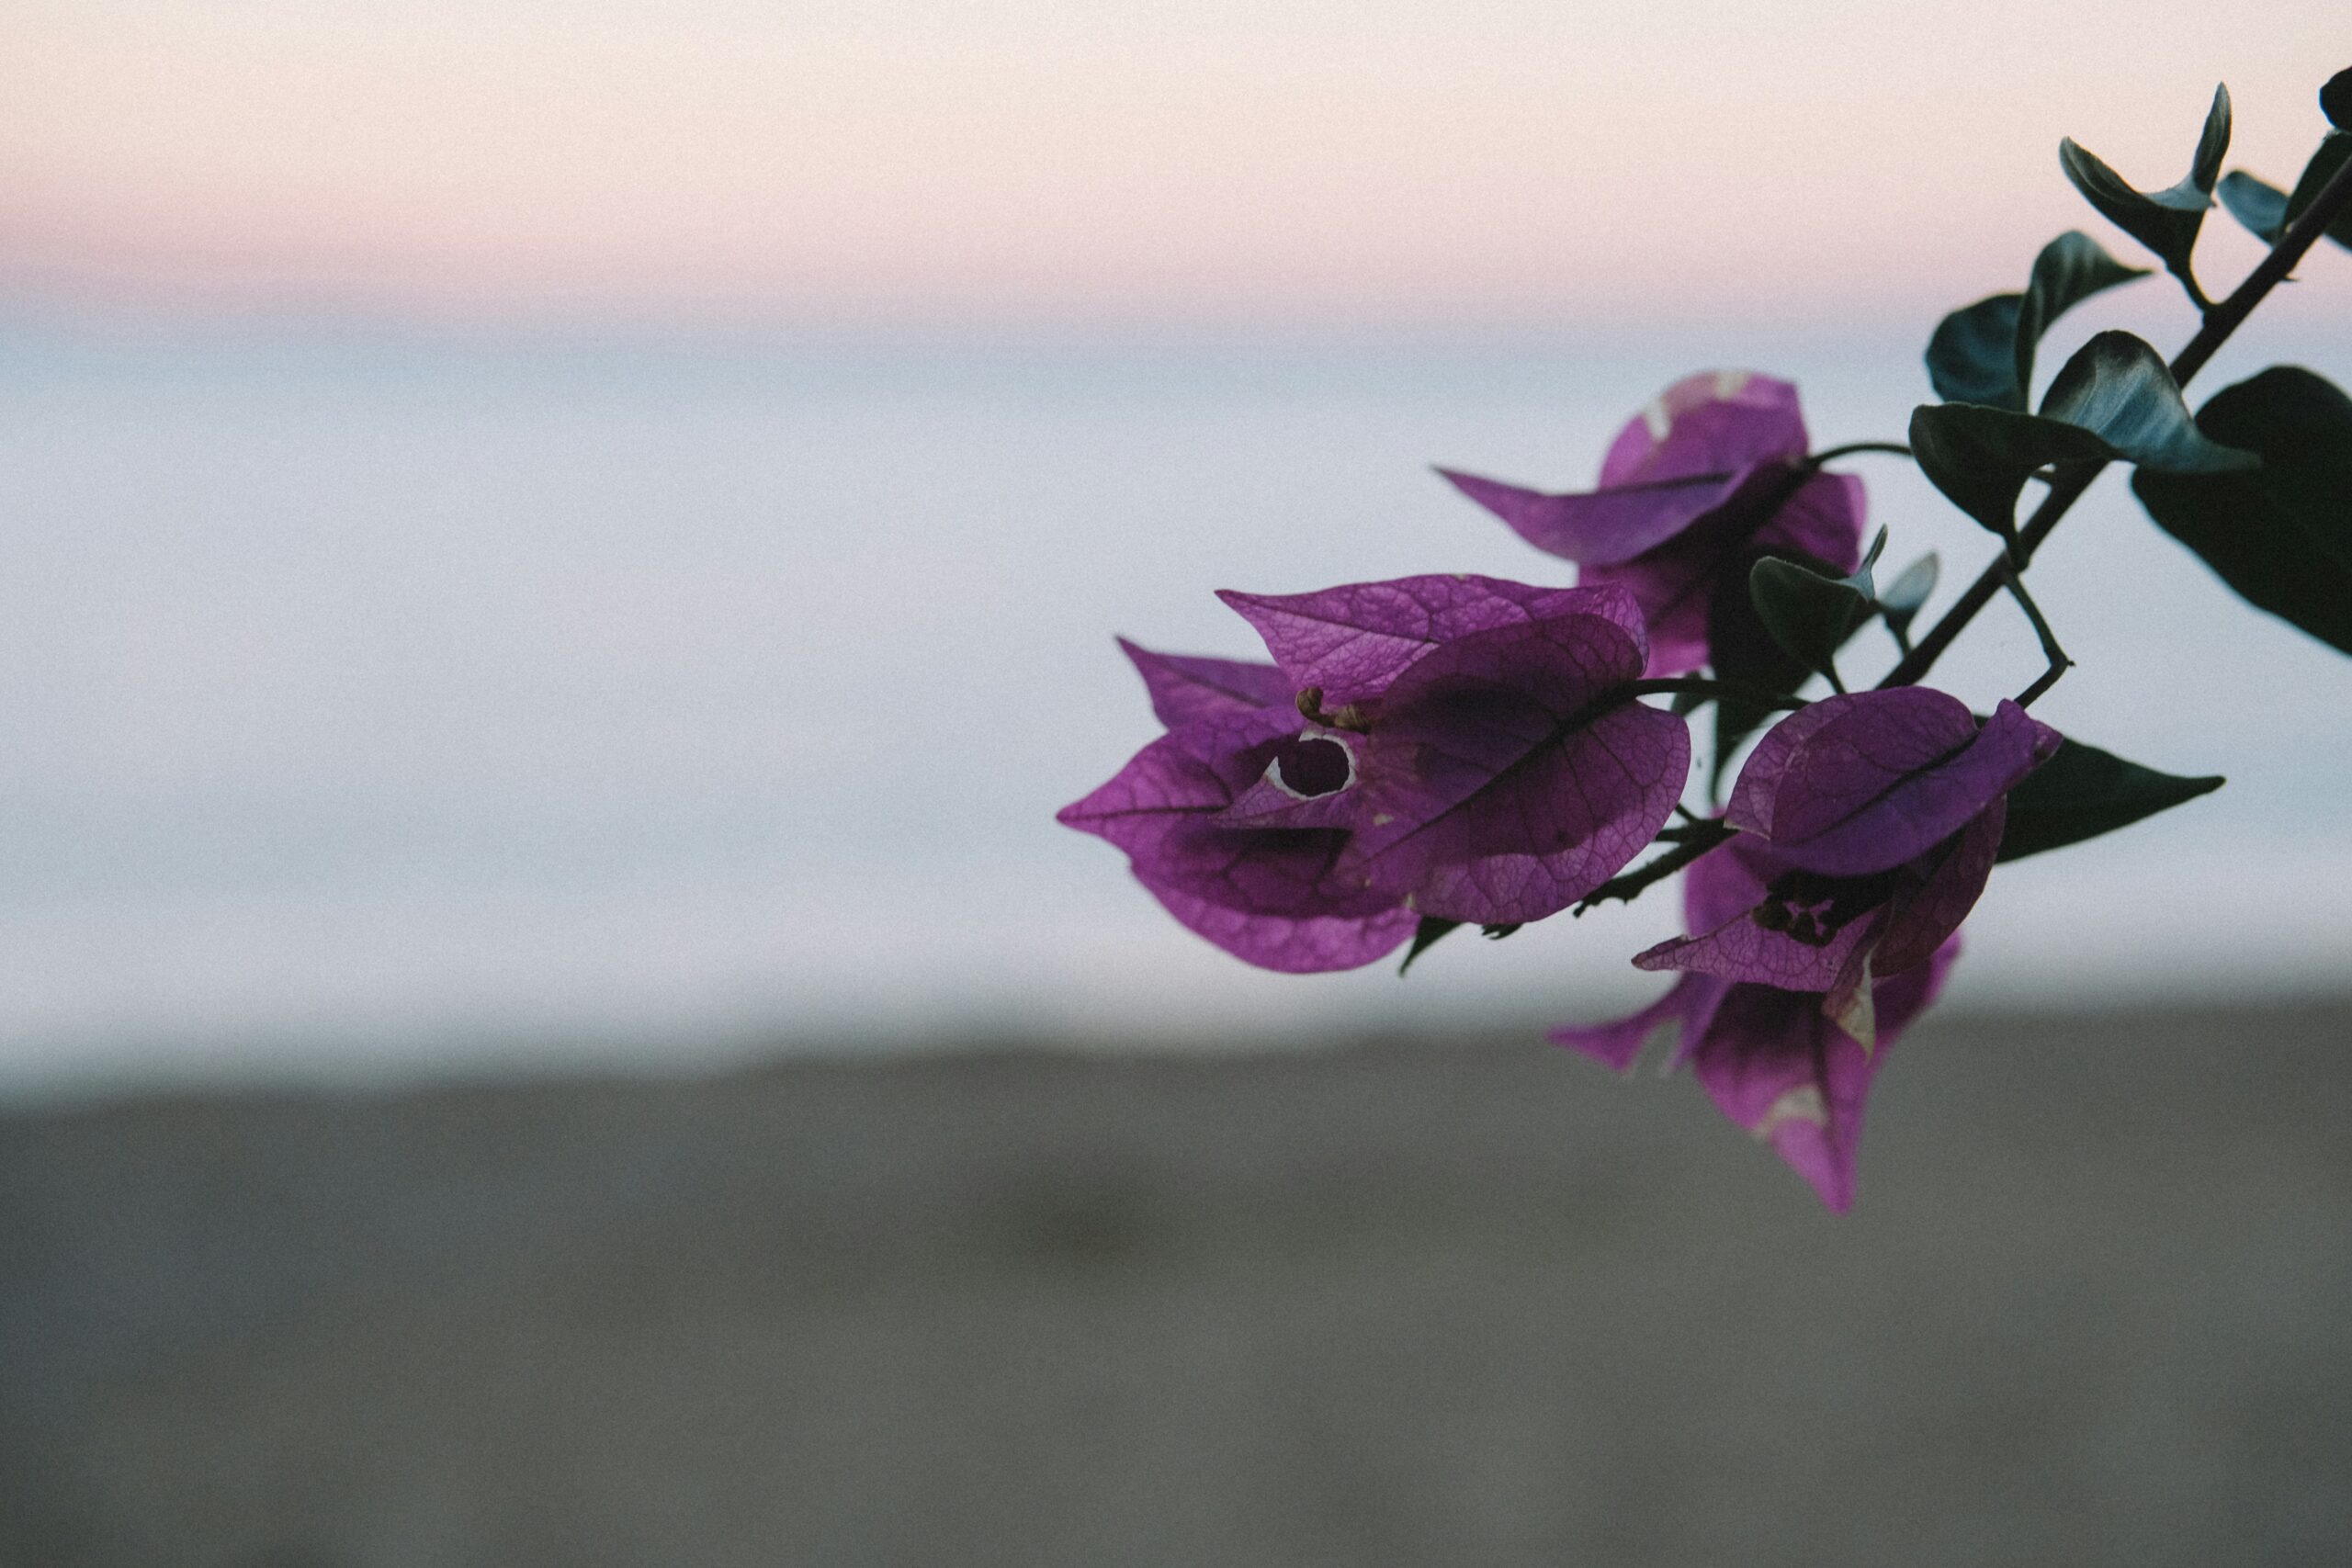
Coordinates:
(1769,1056)
(1466,749)
(1868,825)
(1450,745)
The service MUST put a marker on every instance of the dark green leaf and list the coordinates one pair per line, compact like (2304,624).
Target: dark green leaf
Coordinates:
(2082,792)
(1985,354)
(2070,269)
(2261,206)
(2334,149)
(1808,615)
(1741,651)
(1862,578)
(1902,598)
(2168,231)
(1425,936)
(2213,145)
(2264,209)
(2281,535)
(2167,220)
(1980,456)
(1496,932)
(2120,388)
(2336,100)
(1911,587)
(2113,399)
(1972,358)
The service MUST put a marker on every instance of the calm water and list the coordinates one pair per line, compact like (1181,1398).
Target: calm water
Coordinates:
(379,703)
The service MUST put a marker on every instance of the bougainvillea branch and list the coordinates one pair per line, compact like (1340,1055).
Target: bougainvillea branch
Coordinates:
(1429,752)
(2066,488)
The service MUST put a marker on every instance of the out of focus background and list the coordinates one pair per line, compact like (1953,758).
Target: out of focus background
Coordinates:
(557,562)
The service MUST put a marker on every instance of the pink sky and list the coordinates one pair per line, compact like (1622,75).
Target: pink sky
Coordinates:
(1487,164)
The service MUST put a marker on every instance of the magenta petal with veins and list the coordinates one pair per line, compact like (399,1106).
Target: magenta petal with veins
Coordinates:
(1185,687)
(1795,1079)
(1602,527)
(1871,822)
(1828,934)
(1509,772)
(1352,641)
(1265,895)
(1688,1004)
(1855,785)
(1486,758)
(1693,491)
(1769,1057)
(1705,423)
(1673,463)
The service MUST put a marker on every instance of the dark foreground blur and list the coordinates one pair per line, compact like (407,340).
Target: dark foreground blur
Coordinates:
(1408,1304)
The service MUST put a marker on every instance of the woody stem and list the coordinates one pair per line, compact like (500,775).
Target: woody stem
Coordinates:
(1852,448)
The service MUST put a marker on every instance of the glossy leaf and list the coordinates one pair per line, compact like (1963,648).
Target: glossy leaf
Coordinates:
(2167,220)
(2114,399)
(1901,600)
(1743,652)
(1980,456)
(2212,146)
(1810,616)
(1985,354)
(2281,535)
(2082,792)
(2118,387)
(1911,587)
(2258,205)
(2266,210)
(1971,357)
(2336,100)
(2335,149)
(2069,270)
(1861,576)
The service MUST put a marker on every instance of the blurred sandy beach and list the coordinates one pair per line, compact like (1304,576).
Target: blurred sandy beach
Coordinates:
(1460,1301)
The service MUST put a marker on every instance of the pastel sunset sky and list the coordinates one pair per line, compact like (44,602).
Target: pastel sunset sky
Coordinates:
(894,165)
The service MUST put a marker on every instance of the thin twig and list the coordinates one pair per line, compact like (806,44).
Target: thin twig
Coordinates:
(1853,448)
(2059,662)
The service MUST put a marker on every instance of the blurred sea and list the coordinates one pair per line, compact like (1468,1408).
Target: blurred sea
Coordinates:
(382,703)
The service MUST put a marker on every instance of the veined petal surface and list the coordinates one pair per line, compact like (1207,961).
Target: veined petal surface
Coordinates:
(1184,687)
(1353,641)
(1854,784)
(1505,778)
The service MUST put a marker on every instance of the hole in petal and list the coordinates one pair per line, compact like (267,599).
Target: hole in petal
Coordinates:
(1311,766)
